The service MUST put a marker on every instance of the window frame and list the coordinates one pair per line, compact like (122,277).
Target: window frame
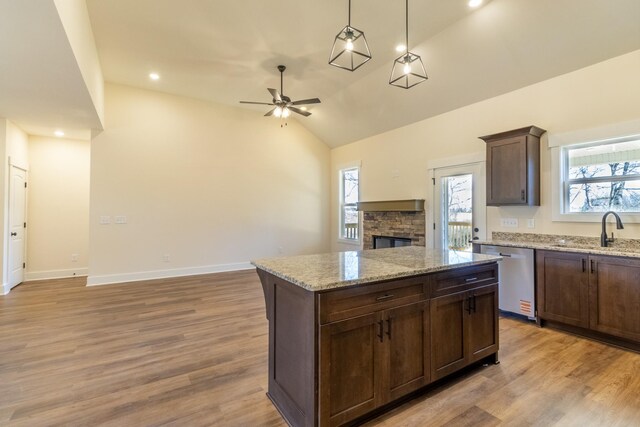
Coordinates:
(341,205)
(560,144)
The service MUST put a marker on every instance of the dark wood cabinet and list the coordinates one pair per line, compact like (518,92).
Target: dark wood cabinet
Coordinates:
(448,334)
(337,355)
(368,361)
(513,167)
(350,373)
(483,323)
(614,292)
(409,352)
(464,329)
(563,287)
(598,294)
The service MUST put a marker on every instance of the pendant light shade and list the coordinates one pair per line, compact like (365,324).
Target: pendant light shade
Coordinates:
(350,49)
(408,69)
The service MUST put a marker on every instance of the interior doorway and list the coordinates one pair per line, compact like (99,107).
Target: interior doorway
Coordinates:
(17,225)
(459,206)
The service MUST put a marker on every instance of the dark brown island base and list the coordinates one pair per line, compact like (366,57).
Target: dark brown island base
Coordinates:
(353,333)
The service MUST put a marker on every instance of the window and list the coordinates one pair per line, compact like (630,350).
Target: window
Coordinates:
(601,176)
(349,195)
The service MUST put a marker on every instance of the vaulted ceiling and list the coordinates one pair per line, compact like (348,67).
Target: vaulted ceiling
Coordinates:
(227,50)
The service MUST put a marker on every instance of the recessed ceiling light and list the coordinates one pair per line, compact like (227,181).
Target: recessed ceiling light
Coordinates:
(475,3)
(154,76)
(401,48)
(59,133)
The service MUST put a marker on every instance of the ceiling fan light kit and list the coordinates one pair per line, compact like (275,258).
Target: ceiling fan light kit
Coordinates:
(350,49)
(282,105)
(408,69)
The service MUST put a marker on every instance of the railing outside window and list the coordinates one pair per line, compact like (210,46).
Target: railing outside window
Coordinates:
(459,235)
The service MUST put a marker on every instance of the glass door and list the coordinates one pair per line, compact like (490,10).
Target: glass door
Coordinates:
(459,206)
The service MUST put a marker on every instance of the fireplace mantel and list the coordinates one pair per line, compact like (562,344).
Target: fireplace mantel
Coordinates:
(411,205)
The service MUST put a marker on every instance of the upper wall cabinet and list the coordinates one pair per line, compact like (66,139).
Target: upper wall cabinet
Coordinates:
(513,167)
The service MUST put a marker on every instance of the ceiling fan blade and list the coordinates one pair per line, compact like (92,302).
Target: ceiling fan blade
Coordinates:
(306,101)
(299,111)
(275,94)
(256,103)
(270,113)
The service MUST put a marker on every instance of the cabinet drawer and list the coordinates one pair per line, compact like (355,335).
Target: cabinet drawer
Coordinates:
(461,280)
(346,303)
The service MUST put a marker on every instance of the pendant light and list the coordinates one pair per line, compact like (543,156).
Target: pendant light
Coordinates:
(350,49)
(408,69)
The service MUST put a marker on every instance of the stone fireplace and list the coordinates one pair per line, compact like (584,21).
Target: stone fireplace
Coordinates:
(380,219)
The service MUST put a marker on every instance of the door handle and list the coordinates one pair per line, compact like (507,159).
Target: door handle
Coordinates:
(389,327)
(522,195)
(593,266)
(380,330)
(584,265)
(468,309)
(474,303)
(14,234)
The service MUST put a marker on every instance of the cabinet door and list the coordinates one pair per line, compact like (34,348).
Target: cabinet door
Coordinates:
(563,287)
(448,334)
(408,347)
(507,171)
(350,360)
(483,323)
(614,286)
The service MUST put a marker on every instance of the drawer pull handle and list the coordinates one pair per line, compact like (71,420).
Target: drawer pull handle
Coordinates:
(384,297)
(471,279)
(505,255)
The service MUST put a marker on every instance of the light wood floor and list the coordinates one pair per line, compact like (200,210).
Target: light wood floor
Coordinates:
(193,351)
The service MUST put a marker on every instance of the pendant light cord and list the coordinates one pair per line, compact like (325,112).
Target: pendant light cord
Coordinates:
(349,13)
(281,84)
(406,9)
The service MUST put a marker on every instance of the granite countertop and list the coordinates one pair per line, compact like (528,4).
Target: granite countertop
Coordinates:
(341,269)
(629,248)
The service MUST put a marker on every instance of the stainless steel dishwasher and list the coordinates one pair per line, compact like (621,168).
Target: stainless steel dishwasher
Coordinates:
(517,279)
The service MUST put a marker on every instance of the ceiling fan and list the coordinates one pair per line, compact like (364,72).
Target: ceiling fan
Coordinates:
(282,104)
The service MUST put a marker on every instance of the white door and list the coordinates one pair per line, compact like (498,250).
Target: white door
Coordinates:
(460,209)
(17,224)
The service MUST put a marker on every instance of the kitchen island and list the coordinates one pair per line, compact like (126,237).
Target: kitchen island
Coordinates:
(352,333)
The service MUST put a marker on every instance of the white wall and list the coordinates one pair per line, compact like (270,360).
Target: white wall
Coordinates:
(77,25)
(210,186)
(58,208)
(602,94)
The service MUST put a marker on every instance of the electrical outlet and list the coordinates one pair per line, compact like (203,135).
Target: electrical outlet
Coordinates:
(531,223)
(105,219)
(166,258)
(280,250)
(120,219)
(509,222)
(74,257)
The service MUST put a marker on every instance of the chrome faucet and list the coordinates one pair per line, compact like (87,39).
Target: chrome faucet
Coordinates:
(604,240)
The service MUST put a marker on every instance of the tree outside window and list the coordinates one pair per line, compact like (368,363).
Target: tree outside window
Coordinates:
(603,177)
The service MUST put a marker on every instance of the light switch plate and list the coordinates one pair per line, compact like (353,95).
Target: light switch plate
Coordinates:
(105,219)
(509,222)
(531,223)
(121,219)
